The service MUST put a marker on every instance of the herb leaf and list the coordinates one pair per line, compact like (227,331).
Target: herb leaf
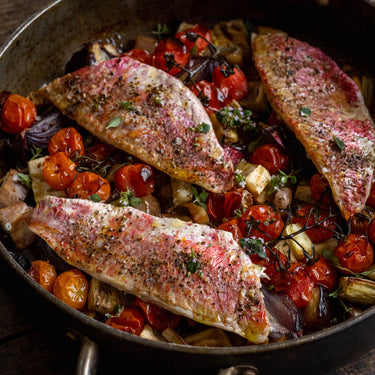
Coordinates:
(277,182)
(161,31)
(200,198)
(127,199)
(236,117)
(192,265)
(253,246)
(24,179)
(36,152)
(305,112)
(127,105)
(114,123)
(340,144)
(95,197)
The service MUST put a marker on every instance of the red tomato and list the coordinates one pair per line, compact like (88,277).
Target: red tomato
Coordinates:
(140,55)
(167,51)
(321,233)
(356,253)
(101,151)
(371,198)
(18,113)
(199,44)
(232,82)
(86,184)
(43,273)
(158,318)
(210,95)
(271,157)
(371,231)
(58,171)
(324,273)
(261,221)
(138,178)
(130,320)
(66,140)
(296,283)
(233,154)
(320,189)
(232,227)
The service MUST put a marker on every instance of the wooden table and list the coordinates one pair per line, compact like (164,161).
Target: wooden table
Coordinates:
(29,349)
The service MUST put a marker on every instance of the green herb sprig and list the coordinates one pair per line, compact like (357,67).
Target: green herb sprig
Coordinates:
(200,198)
(127,199)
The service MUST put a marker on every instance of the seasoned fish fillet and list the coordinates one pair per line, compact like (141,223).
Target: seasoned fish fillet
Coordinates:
(326,111)
(147,113)
(190,269)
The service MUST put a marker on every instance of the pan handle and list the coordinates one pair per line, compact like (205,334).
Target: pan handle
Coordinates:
(88,357)
(239,370)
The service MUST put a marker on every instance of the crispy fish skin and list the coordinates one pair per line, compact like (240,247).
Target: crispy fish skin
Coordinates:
(147,113)
(297,76)
(190,269)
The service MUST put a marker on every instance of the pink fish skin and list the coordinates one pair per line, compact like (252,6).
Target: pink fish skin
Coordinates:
(190,269)
(326,111)
(147,113)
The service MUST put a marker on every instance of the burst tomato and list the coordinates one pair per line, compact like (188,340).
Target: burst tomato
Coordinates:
(232,227)
(356,253)
(320,189)
(58,171)
(168,53)
(67,140)
(140,55)
(261,221)
(18,113)
(86,184)
(138,178)
(323,273)
(231,81)
(311,216)
(130,320)
(195,38)
(72,288)
(271,157)
(43,273)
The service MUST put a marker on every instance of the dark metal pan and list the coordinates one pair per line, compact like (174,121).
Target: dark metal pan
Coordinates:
(38,52)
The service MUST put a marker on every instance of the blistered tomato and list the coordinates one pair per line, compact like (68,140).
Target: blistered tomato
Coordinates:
(43,273)
(67,140)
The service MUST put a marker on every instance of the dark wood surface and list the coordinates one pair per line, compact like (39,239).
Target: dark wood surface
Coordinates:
(27,348)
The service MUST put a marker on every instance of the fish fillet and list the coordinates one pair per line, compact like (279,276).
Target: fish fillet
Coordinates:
(189,269)
(326,111)
(147,113)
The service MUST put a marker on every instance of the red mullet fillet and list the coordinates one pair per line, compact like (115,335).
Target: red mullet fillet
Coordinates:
(325,110)
(190,269)
(147,113)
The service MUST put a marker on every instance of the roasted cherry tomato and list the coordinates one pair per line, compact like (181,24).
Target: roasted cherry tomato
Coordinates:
(58,171)
(356,253)
(296,283)
(140,55)
(72,288)
(261,221)
(232,227)
(138,178)
(323,273)
(271,157)
(18,113)
(43,273)
(130,320)
(231,81)
(311,215)
(168,53)
(195,38)
(371,198)
(86,184)
(371,231)
(210,95)
(320,189)
(157,317)
(67,140)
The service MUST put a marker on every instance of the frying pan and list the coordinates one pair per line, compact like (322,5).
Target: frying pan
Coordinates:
(38,52)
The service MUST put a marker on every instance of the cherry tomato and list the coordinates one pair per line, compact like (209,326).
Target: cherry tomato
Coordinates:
(66,140)
(210,95)
(371,231)
(308,214)
(261,221)
(138,178)
(356,253)
(130,320)
(18,113)
(271,157)
(199,44)
(167,51)
(101,151)
(371,198)
(232,227)
(72,288)
(157,317)
(85,184)
(43,273)
(140,55)
(232,82)
(296,283)
(323,272)
(58,171)
(320,189)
